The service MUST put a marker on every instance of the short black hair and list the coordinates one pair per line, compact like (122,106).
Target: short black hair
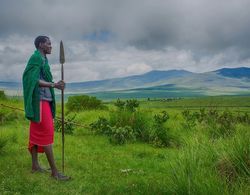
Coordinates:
(40,39)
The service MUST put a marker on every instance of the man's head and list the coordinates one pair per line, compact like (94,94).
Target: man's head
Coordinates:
(43,44)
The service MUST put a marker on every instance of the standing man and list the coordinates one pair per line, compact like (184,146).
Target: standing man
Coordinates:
(39,103)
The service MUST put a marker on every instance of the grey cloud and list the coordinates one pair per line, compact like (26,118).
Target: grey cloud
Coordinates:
(148,34)
(196,24)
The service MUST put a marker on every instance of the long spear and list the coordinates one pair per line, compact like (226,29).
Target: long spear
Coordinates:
(62,61)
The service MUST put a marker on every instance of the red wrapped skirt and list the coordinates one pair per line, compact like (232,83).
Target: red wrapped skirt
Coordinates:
(42,133)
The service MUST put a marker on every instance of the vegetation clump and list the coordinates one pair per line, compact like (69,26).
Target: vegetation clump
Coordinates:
(68,126)
(235,163)
(2,95)
(83,102)
(218,124)
(160,134)
(127,123)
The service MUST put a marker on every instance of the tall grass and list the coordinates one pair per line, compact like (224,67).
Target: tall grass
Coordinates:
(234,163)
(3,142)
(202,165)
(193,172)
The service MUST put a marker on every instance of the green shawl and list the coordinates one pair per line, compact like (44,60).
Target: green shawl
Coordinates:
(31,93)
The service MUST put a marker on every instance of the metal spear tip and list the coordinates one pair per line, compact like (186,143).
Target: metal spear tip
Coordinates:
(62,58)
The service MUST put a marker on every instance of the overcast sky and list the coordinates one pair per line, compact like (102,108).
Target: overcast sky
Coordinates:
(115,38)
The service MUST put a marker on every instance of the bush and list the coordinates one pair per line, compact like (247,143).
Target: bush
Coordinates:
(2,95)
(160,136)
(243,118)
(68,126)
(127,115)
(121,135)
(129,105)
(218,124)
(138,121)
(119,104)
(118,135)
(122,127)
(226,124)
(190,119)
(128,124)
(83,102)
(101,126)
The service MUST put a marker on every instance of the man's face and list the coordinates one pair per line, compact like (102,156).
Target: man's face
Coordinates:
(46,47)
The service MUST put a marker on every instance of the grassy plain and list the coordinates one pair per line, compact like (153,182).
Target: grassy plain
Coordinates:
(199,165)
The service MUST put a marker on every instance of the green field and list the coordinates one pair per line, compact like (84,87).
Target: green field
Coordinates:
(196,160)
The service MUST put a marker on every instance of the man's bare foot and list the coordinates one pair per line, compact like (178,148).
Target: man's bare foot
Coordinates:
(60,177)
(39,170)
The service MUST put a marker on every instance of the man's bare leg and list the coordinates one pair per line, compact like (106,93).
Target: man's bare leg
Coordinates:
(34,157)
(54,172)
(49,154)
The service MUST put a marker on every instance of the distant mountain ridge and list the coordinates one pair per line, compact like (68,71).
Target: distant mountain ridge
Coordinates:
(225,81)
(242,72)
(148,79)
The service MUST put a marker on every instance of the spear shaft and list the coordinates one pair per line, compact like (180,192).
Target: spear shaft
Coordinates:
(62,60)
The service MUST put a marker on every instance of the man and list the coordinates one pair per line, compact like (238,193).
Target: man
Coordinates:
(39,103)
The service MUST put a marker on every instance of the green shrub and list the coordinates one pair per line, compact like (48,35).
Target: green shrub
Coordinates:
(141,125)
(101,126)
(121,118)
(161,118)
(190,119)
(226,124)
(129,105)
(138,121)
(83,102)
(219,125)
(117,134)
(119,104)
(160,136)
(127,115)
(128,124)
(124,124)
(121,135)
(243,118)
(68,126)
(2,95)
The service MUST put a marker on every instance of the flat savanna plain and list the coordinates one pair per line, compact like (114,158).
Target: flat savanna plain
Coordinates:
(198,160)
